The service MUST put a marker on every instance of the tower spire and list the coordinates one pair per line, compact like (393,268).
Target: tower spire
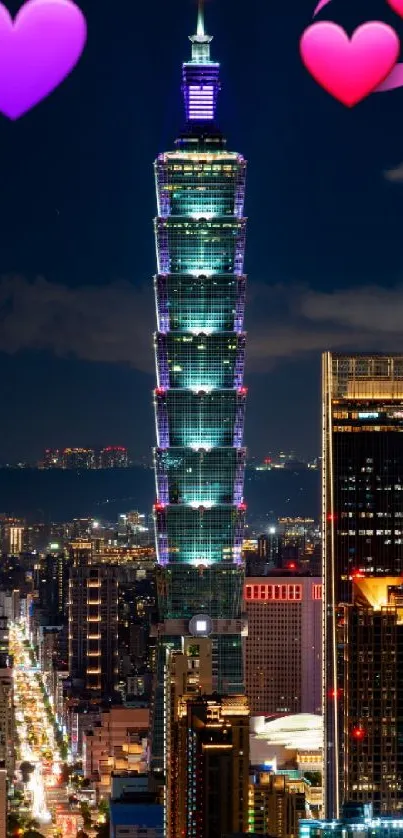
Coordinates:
(200,75)
(200,18)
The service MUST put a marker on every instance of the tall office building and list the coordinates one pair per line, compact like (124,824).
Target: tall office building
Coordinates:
(93,628)
(286,676)
(3,802)
(51,582)
(362,538)
(373,694)
(188,674)
(207,748)
(11,535)
(277,803)
(7,726)
(200,397)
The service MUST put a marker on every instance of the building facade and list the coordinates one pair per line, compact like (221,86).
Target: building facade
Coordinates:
(200,397)
(277,803)
(355,821)
(286,676)
(3,803)
(93,629)
(362,539)
(206,747)
(213,763)
(373,694)
(117,742)
(7,754)
(188,674)
(113,456)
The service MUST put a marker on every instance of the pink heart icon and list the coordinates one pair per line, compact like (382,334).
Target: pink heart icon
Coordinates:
(37,51)
(397,6)
(349,69)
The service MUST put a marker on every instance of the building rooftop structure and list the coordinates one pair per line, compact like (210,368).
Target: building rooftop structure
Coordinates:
(299,730)
(286,740)
(146,813)
(357,820)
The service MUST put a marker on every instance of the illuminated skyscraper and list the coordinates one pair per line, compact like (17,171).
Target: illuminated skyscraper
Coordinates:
(286,676)
(93,626)
(363,540)
(206,748)
(200,397)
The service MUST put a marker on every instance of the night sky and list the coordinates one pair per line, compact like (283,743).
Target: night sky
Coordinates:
(324,199)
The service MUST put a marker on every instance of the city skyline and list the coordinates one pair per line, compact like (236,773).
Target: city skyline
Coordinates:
(74,340)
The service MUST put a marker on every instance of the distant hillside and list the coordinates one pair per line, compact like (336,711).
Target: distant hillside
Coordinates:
(63,495)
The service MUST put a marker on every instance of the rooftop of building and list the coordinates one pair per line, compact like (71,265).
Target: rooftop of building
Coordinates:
(354,817)
(362,825)
(298,731)
(137,814)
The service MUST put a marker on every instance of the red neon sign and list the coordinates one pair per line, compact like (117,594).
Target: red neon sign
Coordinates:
(273,593)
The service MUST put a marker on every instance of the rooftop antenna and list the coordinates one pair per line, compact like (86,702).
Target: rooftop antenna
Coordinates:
(200,18)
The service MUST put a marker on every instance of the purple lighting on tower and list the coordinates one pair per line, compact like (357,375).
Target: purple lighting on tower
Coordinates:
(200,78)
(200,89)
(201,102)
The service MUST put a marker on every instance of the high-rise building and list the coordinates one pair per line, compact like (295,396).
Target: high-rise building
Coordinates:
(51,582)
(206,748)
(283,676)
(373,694)
(12,535)
(276,804)
(114,456)
(362,537)
(7,725)
(76,458)
(214,758)
(3,802)
(93,627)
(7,755)
(200,397)
(136,810)
(294,534)
(189,673)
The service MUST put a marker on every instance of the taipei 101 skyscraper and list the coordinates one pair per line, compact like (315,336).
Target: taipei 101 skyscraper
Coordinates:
(200,397)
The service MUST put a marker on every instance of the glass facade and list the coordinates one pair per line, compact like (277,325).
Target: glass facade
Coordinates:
(195,420)
(200,398)
(200,362)
(195,303)
(373,700)
(362,539)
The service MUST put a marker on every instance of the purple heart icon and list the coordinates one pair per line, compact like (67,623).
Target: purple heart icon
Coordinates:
(38,49)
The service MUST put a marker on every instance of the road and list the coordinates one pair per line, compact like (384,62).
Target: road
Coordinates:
(36,740)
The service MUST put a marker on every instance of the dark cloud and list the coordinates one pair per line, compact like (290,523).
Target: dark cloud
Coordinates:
(114,323)
(394,175)
(109,323)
